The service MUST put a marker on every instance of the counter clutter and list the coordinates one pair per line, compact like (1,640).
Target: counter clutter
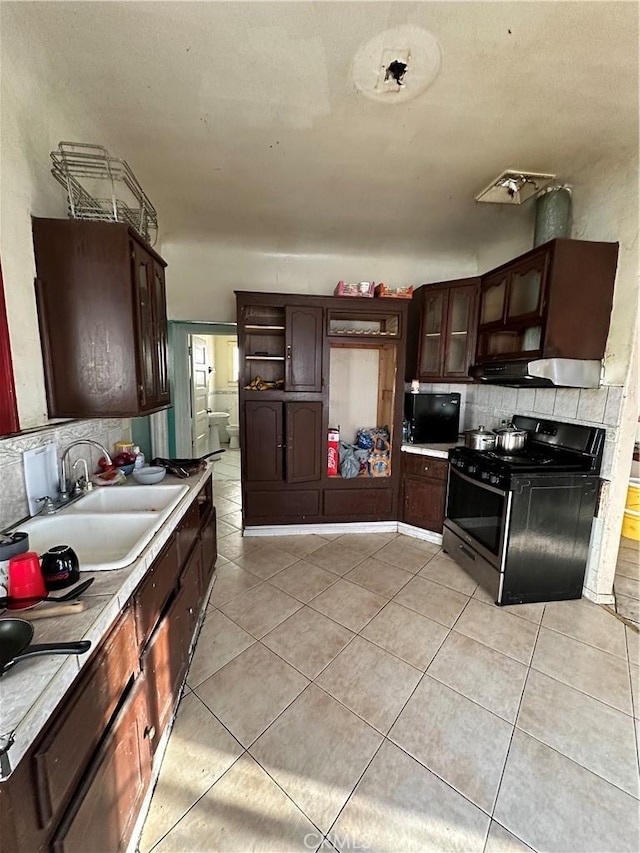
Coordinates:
(30,693)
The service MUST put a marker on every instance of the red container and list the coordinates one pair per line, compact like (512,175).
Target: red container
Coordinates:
(332,452)
(25,580)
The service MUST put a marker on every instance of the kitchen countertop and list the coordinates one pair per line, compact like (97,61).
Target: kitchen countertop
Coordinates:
(440,451)
(30,691)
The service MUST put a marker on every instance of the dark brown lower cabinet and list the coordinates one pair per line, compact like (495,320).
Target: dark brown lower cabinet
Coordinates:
(282,448)
(109,799)
(81,785)
(208,539)
(367,504)
(304,455)
(424,491)
(267,457)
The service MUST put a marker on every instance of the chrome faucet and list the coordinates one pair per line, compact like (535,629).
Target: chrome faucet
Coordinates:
(63,482)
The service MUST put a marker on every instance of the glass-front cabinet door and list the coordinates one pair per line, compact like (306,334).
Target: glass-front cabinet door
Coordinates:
(526,288)
(160,322)
(493,292)
(459,318)
(143,276)
(433,327)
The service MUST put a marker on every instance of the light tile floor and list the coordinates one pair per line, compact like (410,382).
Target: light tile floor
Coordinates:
(360,693)
(626,584)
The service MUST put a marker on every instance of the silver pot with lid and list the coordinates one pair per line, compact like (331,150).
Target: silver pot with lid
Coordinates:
(480,439)
(510,439)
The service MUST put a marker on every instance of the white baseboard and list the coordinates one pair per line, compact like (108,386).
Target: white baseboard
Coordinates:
(306,529)
(419,533)
(344,527)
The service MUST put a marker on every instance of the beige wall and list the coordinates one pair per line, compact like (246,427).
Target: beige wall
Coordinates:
(222,347)
(201,277)
(34,116)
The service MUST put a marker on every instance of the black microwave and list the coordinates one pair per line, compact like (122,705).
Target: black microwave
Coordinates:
(432,418)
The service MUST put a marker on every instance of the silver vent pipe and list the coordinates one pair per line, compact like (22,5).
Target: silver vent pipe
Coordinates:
(553,214)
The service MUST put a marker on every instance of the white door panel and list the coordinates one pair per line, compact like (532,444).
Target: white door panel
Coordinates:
(199,394)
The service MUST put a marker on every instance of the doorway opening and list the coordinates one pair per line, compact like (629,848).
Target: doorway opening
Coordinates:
(205,394)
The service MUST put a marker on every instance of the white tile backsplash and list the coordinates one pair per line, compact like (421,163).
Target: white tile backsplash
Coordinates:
(510,400)
(566,403)
(544,401)
(13,499)
(614,405)
(526,400)
(592,405)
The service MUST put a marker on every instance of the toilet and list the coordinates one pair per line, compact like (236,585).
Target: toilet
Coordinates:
(217,424)
(233,431)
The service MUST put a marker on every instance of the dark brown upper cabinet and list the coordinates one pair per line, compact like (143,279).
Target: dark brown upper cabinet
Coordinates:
(303,349)
(441,338)
(101,299)
(281,344)
(553,302)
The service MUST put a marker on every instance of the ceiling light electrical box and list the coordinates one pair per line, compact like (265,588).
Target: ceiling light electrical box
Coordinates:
(514,186)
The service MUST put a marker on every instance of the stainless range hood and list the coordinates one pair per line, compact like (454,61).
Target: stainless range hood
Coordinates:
(541,373)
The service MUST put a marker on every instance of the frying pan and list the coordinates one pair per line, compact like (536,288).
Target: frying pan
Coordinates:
(184,467)
(15,636)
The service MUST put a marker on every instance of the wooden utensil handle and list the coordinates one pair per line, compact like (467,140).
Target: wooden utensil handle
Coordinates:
(45,610)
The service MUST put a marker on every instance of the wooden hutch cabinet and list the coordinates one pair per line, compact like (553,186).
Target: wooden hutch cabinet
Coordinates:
(442,327)
(101,299)
(553,302)
(290,346)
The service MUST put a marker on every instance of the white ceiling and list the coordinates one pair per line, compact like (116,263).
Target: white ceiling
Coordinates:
(242,120)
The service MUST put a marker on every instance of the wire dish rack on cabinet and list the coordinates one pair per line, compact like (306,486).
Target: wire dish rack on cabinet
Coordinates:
(103,188)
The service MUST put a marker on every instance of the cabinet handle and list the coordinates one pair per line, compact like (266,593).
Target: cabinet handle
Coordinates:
(150,732)
(288,350)
(426,468)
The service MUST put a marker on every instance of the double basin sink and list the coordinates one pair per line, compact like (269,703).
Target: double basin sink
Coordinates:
(108,528)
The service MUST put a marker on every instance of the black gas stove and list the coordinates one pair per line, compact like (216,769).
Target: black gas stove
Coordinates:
(551,447)
(520,523)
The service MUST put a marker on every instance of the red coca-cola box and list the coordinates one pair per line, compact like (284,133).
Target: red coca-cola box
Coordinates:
(332,452)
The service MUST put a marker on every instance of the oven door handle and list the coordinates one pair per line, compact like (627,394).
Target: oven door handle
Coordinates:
(478,483)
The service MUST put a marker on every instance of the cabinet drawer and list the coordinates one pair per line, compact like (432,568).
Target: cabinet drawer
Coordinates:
(419,465)
(154,591)
(187,531)
(282,504)
(61,758)
(358,503)
(106,806)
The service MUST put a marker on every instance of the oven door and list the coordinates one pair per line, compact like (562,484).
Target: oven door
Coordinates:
(478,514)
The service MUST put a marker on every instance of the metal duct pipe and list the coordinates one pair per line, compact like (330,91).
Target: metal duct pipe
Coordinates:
(553,214)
